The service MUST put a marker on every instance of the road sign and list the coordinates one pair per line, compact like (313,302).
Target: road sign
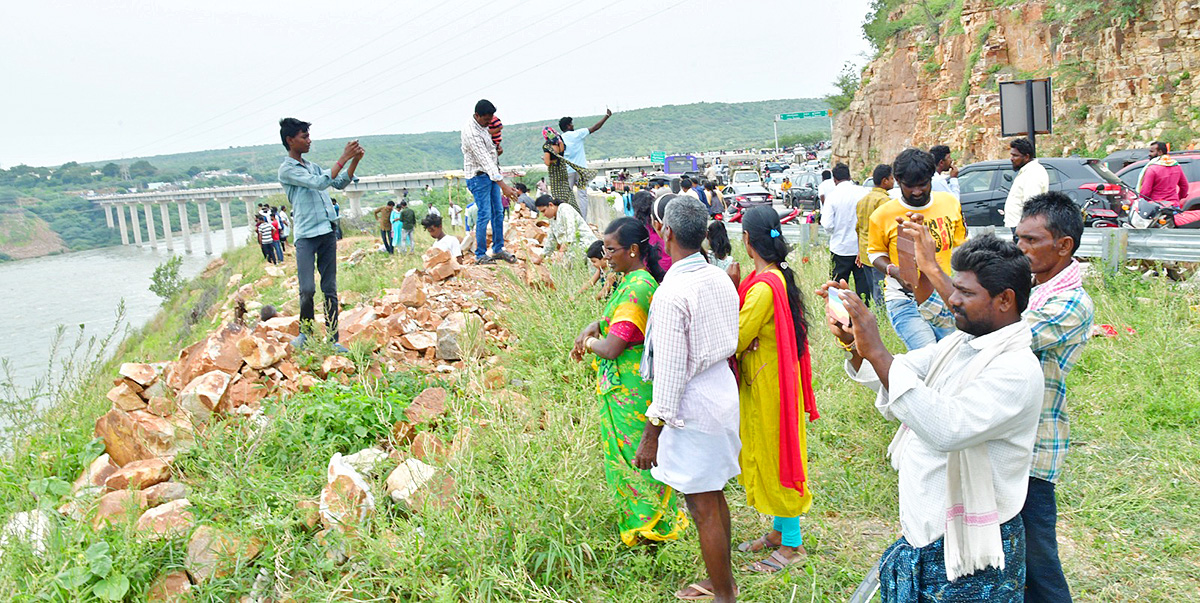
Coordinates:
(1022,101)
(658,156)
(803,114)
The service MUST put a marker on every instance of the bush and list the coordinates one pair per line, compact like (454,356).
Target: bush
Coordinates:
(166,282)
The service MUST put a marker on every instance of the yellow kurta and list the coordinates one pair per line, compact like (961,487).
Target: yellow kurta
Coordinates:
(759,393)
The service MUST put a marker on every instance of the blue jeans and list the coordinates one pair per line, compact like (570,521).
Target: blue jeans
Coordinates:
(491,210)
(912,328)
(1044,579)
(406,239)
(278,251)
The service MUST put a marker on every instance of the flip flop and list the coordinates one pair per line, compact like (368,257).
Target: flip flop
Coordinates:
(705,594)
(772,564)
(765,544)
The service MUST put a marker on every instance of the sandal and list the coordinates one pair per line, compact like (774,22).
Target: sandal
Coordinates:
(705,594)
(762,543)
(772,564)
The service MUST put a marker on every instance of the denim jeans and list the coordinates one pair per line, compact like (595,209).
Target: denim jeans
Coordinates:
(912,328)
(278,251)
(406,239)
(875,278)
(491,211)
(1044,579)
(320,250)
(386,235)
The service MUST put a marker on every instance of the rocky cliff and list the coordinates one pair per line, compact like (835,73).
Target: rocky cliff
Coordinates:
(1120,79)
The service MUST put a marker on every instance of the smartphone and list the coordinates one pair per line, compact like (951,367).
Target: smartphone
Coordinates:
(837,307)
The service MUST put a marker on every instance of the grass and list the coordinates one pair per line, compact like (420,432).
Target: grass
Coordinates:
(534,520)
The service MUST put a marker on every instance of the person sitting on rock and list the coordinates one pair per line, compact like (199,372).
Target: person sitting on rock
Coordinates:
(432,223)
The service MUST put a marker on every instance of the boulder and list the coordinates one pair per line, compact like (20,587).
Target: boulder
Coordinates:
(407,479)
(346,498)
(217,352)
(161,493)
(246,392)
(213,553)
(143,374)
(434,256)
(288,325)
(115,507)
(428,405)
(364,461)
(125,398)
(173,587)
(451,332)
(444,271)
(412,293)
(355,321)
(204,395)
(260,353)
(139,435)
(168,520)
(419,341)
(428,448)
(95,474)
(161,406)
(274,271)
(494,378)
(337,364)
(139,474)
(32,528)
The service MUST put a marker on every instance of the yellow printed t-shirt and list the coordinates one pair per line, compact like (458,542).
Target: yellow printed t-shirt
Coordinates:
(943,216)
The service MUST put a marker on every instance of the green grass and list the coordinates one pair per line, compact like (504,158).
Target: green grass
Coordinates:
(534,520)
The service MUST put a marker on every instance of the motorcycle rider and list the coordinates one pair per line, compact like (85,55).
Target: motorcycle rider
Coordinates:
(1163,180)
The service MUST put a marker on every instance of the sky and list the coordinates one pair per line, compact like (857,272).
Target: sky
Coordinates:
(110,79)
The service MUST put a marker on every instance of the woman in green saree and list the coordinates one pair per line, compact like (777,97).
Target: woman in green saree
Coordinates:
(649,508)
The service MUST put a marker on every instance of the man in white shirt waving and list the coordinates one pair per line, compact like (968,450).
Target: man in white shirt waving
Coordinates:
(1031,180)
(839,218)
(575,153)
(968,407)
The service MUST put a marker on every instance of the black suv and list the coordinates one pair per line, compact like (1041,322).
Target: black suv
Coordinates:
(983,186)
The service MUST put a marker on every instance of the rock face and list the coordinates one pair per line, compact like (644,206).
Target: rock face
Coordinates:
(1117,87)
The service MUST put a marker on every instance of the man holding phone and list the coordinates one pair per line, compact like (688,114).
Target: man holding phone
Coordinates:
(313,213)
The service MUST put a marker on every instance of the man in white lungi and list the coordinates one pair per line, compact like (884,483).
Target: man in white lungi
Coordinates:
(691,439)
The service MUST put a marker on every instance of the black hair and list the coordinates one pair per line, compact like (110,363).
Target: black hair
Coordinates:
(259,218)
(431,220)
(997,265)
(841,172)
(596,250)
(826,174)
(718,240)
(643,206)
(521,187)
(685,182)
(939,152)
(1161,146)
(545,201)
(391,203)
(403,203)
(289,127)
(881,173)
(710,185)
(563,123)
(485,107)
(1063,218)
(913,166)
(676,186)
(761,224)
(631,231)
(1023,146)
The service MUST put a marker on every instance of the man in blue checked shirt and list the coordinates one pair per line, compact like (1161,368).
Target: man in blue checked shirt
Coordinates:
(313,217)
(1060,314)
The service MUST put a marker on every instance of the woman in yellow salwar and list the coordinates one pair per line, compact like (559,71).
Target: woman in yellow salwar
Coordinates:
(649,511)
(775,385)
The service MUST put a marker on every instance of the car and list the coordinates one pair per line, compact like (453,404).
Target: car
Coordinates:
(774,183)
(746,195)
(983,186)
(745,177)
(772,167)
(1188,160)
(803,193)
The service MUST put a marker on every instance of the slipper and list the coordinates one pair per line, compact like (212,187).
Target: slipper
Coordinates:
(772,564)
(705,594)
(762,542)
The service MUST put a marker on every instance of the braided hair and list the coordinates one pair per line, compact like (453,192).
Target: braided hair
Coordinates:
(761,225)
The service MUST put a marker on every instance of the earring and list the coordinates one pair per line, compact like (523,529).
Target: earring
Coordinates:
(632,254)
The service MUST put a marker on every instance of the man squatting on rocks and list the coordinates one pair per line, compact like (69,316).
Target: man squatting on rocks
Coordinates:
(305,182)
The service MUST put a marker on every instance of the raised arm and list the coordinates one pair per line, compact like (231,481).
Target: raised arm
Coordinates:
(600,124)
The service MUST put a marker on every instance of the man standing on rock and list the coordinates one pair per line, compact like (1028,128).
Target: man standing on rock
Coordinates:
(576,154)
(304,183)
(482,167)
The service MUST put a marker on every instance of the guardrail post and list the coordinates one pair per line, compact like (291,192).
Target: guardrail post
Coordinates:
(814,234)
(803,242)
(1115,249)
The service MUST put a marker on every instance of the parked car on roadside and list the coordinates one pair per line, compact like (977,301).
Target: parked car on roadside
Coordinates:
(984,186)
(1188,160)
(746,195)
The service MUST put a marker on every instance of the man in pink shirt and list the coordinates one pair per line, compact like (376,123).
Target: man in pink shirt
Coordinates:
(1163,179)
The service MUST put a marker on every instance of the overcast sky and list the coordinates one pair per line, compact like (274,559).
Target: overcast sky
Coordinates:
(102,79)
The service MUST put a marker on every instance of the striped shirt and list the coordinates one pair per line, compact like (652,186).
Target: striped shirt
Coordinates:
(1060,329)
(479,152)
(266,234)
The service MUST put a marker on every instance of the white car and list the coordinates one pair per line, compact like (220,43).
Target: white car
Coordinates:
(745,177)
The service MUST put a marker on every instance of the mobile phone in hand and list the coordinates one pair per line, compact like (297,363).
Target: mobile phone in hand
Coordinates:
(837,307)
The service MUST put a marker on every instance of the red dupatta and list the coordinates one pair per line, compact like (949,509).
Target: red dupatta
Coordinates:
(791,469)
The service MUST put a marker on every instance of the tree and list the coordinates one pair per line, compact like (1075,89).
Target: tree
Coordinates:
(110,170)
(192,171)
(142,169)
(166,281)
(847,84)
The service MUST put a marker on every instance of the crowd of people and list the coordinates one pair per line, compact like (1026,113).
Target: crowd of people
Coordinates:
(704,375)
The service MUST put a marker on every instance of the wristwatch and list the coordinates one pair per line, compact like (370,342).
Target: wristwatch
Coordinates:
(655,421)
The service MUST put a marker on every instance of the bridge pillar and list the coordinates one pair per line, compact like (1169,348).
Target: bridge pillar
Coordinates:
(108,215)
(137,226)
(227,223)
(250,210)
(185,230)
(355,203)
(124,228)
(166,225)
(149,210)
(204,231)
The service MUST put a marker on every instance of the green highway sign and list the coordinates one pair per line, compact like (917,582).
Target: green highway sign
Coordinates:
(658,156)
(803,114)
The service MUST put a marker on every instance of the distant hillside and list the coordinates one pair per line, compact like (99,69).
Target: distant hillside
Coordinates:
(25,235)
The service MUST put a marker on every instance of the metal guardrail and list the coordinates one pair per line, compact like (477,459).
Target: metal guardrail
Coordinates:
(1112,246)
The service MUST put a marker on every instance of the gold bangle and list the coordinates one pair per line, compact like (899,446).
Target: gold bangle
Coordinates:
(587,343)
(849,347)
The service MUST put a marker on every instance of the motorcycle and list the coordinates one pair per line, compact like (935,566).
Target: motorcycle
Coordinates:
(1152,214)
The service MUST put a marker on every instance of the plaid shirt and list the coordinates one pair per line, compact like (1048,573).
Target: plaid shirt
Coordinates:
(1060,328)
(479,153)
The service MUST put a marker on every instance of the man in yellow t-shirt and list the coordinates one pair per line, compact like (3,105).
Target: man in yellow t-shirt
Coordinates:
(913,169)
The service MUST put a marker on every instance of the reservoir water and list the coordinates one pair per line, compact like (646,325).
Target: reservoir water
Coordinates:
(84,288)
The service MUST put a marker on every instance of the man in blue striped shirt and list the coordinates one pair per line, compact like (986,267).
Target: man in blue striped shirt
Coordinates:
(313,217)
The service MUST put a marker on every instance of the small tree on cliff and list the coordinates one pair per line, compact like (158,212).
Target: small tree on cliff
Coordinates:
(847,84)
(166,281)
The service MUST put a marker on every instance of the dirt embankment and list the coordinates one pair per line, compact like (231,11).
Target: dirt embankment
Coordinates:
(24,235)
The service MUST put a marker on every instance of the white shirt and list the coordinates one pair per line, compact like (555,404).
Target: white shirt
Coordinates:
(1000,406)
(944,183)
(567,227)
(1031,180)
(691,192)
(839,216)
(450,244)
(479,153)
(574,151)
(824,188)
